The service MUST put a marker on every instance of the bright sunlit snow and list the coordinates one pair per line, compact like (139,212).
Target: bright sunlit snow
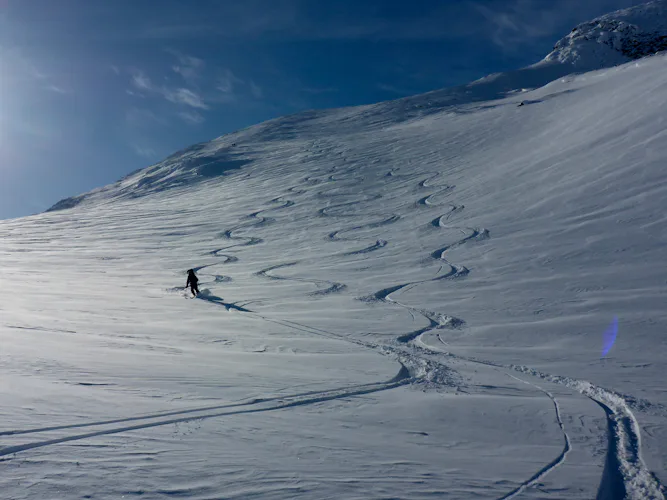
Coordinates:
(404,300)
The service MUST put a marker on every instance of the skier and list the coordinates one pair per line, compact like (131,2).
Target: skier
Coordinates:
(192,282)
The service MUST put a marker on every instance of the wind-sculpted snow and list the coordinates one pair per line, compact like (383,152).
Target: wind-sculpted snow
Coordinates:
(404,300)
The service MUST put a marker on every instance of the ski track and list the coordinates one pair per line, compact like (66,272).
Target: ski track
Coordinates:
(372,248)
(442,220)
(567,446)
(380,243)
(427,201)
(624,465)
(275,403)
(331,286)
(436,320)
(245,241)
(372,225)
(627,467)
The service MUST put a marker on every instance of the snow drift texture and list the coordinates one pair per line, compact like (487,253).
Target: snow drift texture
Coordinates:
(410,299)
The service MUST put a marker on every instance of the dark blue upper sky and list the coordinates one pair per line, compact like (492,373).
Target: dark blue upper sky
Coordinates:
(93,89)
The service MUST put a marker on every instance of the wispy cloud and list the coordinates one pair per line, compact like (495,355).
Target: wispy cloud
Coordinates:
(191,117)
(189,67)
(141,81)
(255,90)
(179,95)
(19,68)
(227,85)
(227,82)
(184,96)
(513,24)
(144,152)
(56,89)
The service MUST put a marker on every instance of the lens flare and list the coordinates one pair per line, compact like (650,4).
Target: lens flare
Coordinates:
(609,337)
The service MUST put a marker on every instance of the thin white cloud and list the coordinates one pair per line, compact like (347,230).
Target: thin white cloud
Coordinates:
(228,85)
(141,81)
(179,95)
(516,23)
(16,67)
(189,67)
(256,90)
(184,96)
(227,82)
(56,89)
(191,117)
(145,152)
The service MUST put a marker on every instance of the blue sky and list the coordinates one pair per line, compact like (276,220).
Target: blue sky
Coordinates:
(93,89)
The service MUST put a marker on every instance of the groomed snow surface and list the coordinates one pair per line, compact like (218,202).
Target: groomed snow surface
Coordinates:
(398,301)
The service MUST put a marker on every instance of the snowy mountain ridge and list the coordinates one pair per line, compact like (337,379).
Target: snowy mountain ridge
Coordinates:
(615,38)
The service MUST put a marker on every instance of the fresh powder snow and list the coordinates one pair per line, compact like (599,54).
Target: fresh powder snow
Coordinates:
(461,294)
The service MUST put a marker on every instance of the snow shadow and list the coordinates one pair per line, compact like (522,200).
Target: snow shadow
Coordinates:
(208,296)
(219,166)
(546,97)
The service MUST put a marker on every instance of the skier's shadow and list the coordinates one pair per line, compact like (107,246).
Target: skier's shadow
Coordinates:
(207,295)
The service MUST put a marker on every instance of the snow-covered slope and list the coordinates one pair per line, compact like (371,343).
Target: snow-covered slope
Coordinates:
(604,42)
(404,300)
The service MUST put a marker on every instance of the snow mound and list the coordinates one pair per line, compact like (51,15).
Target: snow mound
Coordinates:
(615,38)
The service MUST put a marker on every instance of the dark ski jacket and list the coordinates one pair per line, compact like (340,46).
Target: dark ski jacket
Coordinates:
(192,279)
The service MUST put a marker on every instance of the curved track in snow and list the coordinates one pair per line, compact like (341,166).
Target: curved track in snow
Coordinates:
(567,447)
(324,287)
(625,474)
(624,463)
(435,320)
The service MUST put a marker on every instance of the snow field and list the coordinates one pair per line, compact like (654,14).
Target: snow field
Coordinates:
(396,304)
